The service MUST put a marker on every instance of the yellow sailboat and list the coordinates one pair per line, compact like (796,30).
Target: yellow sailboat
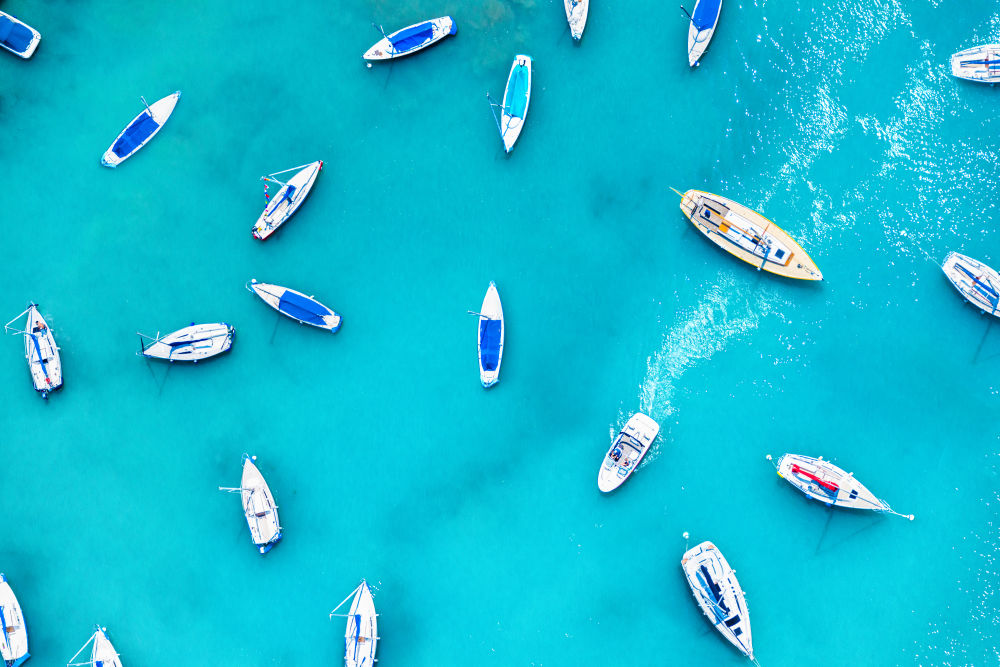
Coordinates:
(748,235)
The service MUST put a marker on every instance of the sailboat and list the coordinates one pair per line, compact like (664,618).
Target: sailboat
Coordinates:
(411,39)
(258,506)
(40,350)
(980,63)
(704,20)
(361,637)
(17,36)
(14,642)
(491,334)
(102,652)
(516,98)
(296,305)
(142,128)
(193,343)
(289,198)
(978,283)
(576,16)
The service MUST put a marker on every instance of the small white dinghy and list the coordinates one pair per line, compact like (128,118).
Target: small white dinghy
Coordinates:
(361,637)
(296,305)
(516,98)
(980,63)
(40,350)
(193,343)
(258,505)
(576,15)
(704,20)
(490,338)
(824,482)
(978,283)
(102,652)
(716,590)
(14,641)
(289,198)
(17,36)
(627,450)
(411,39)
(142,128)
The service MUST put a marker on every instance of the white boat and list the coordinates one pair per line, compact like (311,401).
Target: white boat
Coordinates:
(829,484)
(296,305)
(193,343)
(40,350)
(490,338)
(516,98)
(17,36)
(361,637)
(576,15)
(411,39)
(142,128)
(627,450)
(704,19)
(289,198)
(978,283)
(258,505)
(102,652)
(716,590)
(980,63)
(14,642)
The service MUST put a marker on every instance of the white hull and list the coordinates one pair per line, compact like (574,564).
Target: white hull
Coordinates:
(272,296)
(978,283)
(104,653)
(724,605)
(627,450)
(576,16)
(13,644)
(493,310)
(161,110)
(698,38)
(282,205)
(36,37)
(980,63)
(259,507)
(361,636)
(42,354)
(826,483)
(511,125)
(383,49)
(193,343)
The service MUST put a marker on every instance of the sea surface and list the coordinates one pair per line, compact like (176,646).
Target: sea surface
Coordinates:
(475,514)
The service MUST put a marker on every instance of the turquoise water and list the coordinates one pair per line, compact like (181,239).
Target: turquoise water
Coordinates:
(476,514)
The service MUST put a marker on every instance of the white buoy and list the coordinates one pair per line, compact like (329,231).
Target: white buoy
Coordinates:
(369,65)
(686,535)
(768,457)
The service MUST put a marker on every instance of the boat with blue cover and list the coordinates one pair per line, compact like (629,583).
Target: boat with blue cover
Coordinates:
(192,343)
(259,508)
(296,305)
(978,283)
(411,39)
(576,16)
(516,98)
(490,339)
(361,636)
(14,642)
(980,63)
(704,20)
(102,652)
(717,591)
(40,350)
(288,199)
(17,36)
(143,127)
(627,449)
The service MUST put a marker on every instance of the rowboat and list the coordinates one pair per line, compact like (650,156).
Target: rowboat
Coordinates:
(289,198)
(704,19)
(576,15)
(40,350)
(411,39)
(258,506)
(102,652)
(978,283)
(142,128)
(516,98)
(824,482)
(17,36)
(716,590)
(193,343)
(296,305)
(627,450)
(14,642)
(747,235)
(980,63)
(361,637)
(490,339)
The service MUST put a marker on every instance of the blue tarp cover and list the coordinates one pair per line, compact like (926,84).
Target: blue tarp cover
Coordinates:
(517,91)
(489,343)
(302,308)
(134,135)
(705,13)
(15,35)
(412,37)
